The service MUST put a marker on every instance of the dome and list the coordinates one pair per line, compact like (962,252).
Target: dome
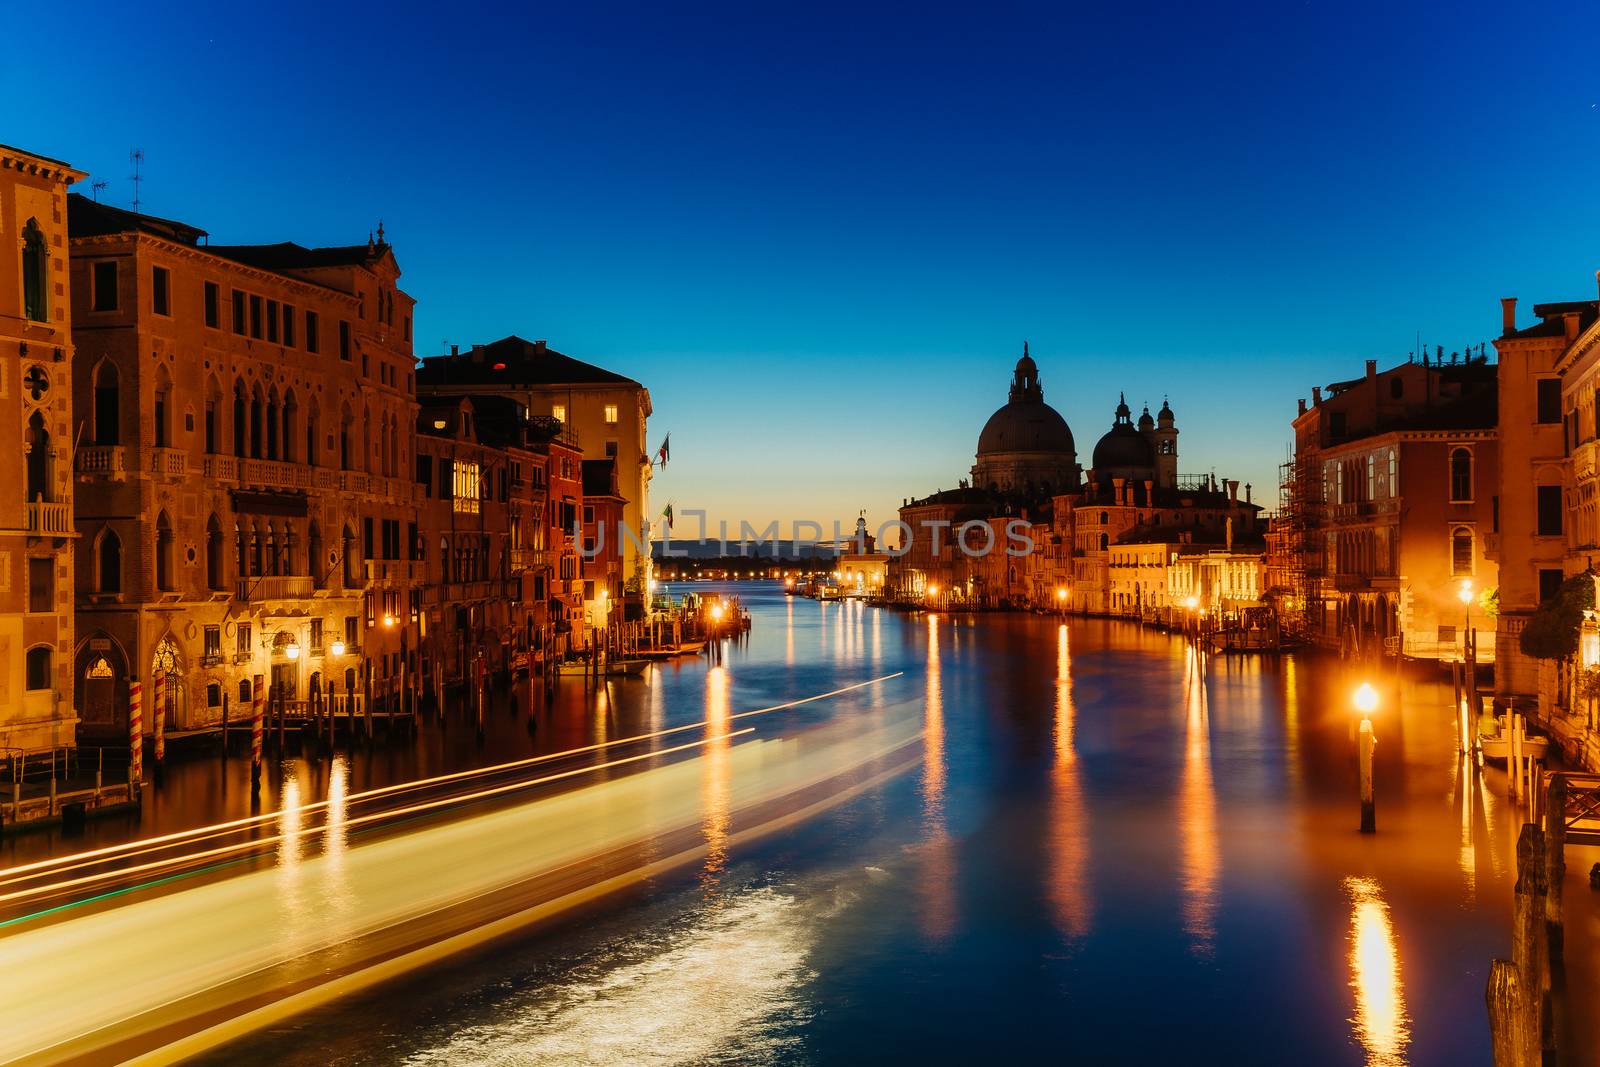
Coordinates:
(1123,451)
(1165,415)
(1026,426)
(1121,448)
(1026,423)
(1145,421)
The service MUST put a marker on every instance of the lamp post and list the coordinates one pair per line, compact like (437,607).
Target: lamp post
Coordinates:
(1366,701)
(933,596)
(1061,599)
(1469,646)
(1191,602)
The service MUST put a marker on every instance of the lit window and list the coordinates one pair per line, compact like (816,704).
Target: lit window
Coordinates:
(466,486)
(558,412)
(611,413)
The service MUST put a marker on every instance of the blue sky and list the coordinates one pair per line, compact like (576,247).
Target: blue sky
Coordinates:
(820,233)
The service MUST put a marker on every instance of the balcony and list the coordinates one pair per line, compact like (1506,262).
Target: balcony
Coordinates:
(528,558)
(167,462)
(274,474)
(49,519)
(222,468)
(1583,460)
(275,587)
(107,462)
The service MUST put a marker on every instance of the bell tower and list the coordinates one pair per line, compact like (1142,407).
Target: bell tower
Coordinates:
(1166,442)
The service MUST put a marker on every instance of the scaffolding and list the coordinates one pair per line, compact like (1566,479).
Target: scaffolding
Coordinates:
(1295,558)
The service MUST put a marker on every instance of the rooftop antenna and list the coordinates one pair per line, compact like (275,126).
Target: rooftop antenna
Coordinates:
(136,157)
(94,189)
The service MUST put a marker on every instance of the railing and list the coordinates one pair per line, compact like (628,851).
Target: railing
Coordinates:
(274,474)
(170,462)
(525,558)
(353,481)
(103,461)
(48,518)
(222,468)
(275,587)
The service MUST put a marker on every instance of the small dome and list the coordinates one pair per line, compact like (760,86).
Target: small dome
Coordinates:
(1145,421)
(1165,415)
(1122,448)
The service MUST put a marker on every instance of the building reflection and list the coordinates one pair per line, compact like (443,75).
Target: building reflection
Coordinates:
(715,784)
(1069,831)
(1197,813)
(1380,1022)
(788,632)
(938,912)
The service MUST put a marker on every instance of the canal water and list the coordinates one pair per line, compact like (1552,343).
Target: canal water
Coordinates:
(1110,851)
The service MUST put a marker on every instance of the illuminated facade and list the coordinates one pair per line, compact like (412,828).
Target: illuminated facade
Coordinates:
(36,382)
(244,495)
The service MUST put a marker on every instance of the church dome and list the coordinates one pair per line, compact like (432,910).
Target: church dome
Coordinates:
(1123,450)
(1026,423)
(1026,426)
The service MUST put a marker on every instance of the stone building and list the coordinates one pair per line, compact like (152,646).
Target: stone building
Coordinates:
(244,493)
(1052,529)
(37,561)
(606,414)
(1398,505)
(601,563)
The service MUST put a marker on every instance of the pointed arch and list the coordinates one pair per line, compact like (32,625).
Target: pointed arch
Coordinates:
(107,561)
(163,552)
(161,409)
(313,427)
(241,420)
(291,415)
(107,403)
(213,414)
(215,576)
(35,272)
(315,565)
(273,423)
(38,465)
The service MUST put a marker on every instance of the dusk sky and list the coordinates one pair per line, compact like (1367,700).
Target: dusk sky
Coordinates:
(820,236)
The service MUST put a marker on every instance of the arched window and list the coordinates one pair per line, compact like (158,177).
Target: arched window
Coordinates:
(162,411)
(244,691)
(214,575)
(1394,473)
(35,273)
(240,420)
(163,552)
(344,442)
(272,424)
(1105,542)
(108,562)
(290,411)
(1460,475)
(255,424)
(1104,518)
(107,416)
(311,436)
(314,564)
(352,560)
(39,673)
(38,459)
(1461,551)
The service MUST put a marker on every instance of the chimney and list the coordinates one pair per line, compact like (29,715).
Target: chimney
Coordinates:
(1149,493)
(1117,486)
(455,350)
(1508,315)
(1372,370)
(1316,395)
(1569,325)
(1302,405)
(1247,493)
(538,346)
(1233,493)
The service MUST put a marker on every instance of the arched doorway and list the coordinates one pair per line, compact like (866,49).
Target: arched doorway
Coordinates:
(168,659)
(100,689)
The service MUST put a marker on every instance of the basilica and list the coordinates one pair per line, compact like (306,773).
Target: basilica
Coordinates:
(1106,540)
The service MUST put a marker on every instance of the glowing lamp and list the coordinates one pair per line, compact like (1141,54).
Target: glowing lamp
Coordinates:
(1192,603)
(337,648)
(933,590)
(292,650)
(1061,594)
(1465,592)
(388,620)
(716,612)
(1366,699)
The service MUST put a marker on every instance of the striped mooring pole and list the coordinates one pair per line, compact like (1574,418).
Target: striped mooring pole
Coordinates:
(257,728)
(160,723)
(135,734)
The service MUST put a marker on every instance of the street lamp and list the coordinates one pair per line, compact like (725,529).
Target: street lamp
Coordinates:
(1061,597)
(1366,701)
(337,648)
(292,650)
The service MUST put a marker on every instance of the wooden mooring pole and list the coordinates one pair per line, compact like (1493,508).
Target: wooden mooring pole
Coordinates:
(1517,992)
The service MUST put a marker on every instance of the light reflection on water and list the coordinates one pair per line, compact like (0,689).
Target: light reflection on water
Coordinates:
(1380,1021)
(1197,812)
(1089,794)
(1069,836)
(715,783)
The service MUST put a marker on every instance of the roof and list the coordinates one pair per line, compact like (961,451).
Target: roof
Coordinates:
(1550,322)
(286,255)
(89,218)
(512,361)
